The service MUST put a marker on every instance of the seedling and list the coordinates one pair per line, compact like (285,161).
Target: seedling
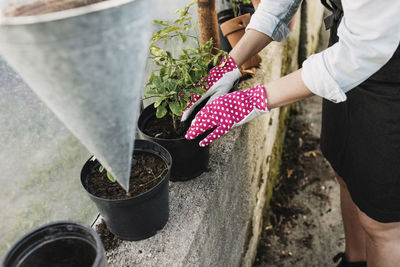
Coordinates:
(101,169)
(177,78)
(109,176)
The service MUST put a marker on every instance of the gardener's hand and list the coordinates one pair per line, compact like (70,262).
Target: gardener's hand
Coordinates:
(228,111)
(219,81)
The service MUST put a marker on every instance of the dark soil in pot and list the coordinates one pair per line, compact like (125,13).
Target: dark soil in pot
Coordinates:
(142,212)
(59,244)
(162,128)
(148,171)
(189,159)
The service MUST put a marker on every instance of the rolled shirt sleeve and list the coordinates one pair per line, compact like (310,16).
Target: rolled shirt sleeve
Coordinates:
(368,37)
(272,17)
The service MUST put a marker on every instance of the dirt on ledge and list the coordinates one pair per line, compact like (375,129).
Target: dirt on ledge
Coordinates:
(303,226)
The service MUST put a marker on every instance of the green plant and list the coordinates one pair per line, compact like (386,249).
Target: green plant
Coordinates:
(109,176)
(177,78)
(236,4)
(101,169)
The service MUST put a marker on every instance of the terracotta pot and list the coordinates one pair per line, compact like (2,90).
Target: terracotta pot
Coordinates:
(234,29)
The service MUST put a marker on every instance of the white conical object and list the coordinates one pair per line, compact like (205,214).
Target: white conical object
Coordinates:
(87,64)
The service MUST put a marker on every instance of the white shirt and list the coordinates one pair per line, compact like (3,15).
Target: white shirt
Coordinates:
(369,34)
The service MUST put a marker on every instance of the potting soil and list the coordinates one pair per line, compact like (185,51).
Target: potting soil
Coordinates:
(147,172)
(162,128)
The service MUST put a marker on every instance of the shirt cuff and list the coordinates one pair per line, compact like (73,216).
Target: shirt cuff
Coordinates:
(319,81)
(268,24)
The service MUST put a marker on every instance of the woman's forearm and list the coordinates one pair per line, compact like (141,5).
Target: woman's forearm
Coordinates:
(250,44)
(281,92)
(286,90)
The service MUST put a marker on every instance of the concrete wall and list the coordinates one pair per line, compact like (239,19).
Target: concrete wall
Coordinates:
(312,13)
(216,219)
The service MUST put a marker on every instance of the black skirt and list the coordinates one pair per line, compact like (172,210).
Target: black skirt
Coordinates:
(361,139)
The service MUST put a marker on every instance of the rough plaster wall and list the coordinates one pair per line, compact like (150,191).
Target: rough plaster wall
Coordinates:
(312,12)
(261,136)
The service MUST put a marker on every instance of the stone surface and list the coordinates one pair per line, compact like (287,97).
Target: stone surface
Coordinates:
(211,216)
(262,139)
(216,219)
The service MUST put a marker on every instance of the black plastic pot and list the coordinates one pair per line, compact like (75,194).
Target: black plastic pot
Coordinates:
(189,160)
(226,15)
(223,16)
(138,217)
(60,244)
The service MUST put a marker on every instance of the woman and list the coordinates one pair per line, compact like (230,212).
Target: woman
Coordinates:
(359,78)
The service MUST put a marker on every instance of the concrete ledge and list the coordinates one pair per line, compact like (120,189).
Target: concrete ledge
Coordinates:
(216,219)
(211,216)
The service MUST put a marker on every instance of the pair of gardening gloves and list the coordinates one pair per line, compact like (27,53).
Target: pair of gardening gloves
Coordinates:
(224,111)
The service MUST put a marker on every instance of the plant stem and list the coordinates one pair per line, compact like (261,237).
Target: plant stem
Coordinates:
(174,122)
(155,177)
(234,7)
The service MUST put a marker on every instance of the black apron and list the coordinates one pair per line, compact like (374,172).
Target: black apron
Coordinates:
(361,136)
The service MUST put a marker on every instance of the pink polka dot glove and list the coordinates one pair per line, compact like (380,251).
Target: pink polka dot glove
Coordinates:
(219,81)
(228,111)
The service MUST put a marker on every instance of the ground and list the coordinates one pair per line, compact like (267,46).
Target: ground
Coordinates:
(303,226)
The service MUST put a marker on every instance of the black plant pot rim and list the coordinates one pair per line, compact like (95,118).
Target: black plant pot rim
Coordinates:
(158,138)
(163,139)
(141,196)
(38,229)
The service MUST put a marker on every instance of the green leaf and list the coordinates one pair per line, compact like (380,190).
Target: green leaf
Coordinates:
(156,51)
(199,91)
(160,22)
(183,37)
(175,108)
(151,92)
(151,78)
(159,101)
(161,111)
(101,168)
(215,61)
(163,71)
(157,81)
(172,93)
(110,177)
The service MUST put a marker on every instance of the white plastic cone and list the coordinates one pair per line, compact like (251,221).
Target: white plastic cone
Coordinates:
(87,65)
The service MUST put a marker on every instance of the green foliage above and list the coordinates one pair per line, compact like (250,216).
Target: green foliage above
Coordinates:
(178,77)
(235,5)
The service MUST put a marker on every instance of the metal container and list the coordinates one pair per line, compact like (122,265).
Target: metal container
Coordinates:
(87,65)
